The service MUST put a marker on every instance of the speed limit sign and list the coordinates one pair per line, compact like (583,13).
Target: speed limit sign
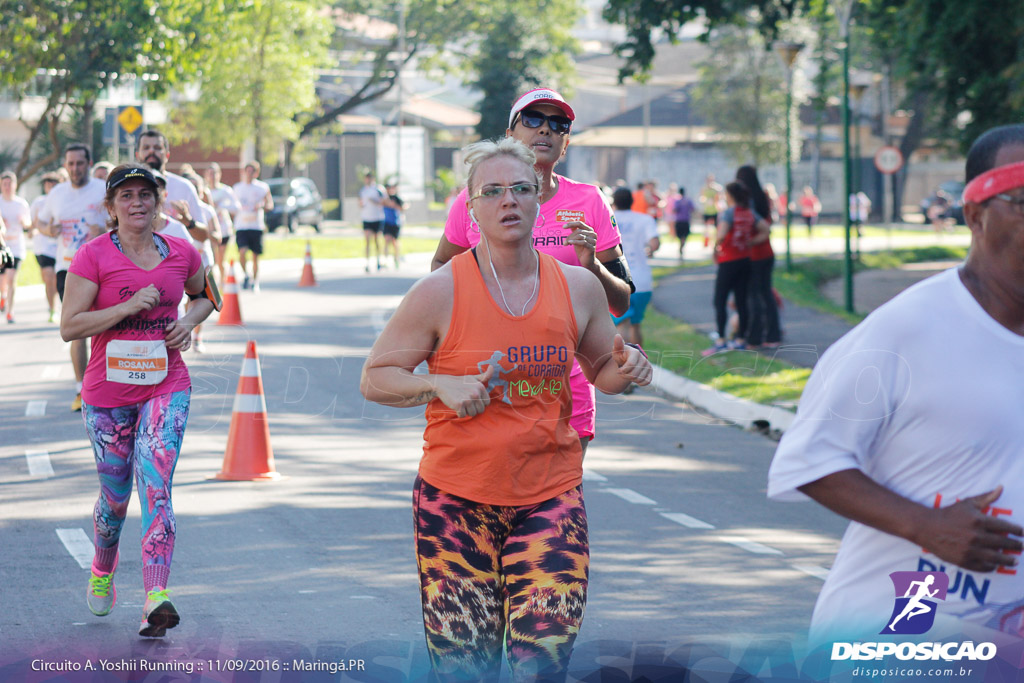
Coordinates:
(888,159)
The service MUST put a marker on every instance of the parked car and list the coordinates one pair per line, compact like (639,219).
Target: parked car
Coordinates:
(948,200)
(296,202)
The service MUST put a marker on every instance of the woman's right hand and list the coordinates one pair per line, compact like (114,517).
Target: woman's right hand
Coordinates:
(467,395)
(143,300)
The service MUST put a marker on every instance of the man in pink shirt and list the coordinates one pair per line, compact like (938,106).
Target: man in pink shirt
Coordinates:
(575,225)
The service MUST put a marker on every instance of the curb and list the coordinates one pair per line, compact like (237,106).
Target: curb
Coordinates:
(719,404)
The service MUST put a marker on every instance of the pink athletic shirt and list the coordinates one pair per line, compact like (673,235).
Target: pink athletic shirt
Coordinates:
(573,201)
(101,262)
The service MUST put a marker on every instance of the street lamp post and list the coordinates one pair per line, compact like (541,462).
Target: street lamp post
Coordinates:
(844,8)
(857,90)
(789,52)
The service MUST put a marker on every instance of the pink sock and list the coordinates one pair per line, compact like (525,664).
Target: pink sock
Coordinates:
(155,576)
(104,560)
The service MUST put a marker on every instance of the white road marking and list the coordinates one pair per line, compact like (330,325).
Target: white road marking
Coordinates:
(79,545)
(363,597)
(39,463)
(52,371)
(35,409)
(590,475)
(750,546)
(306,592)
(686,520)
(813,570)
(632,496)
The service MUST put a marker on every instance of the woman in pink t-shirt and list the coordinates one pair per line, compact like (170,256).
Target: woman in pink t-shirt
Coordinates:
(575,224)
(123,290)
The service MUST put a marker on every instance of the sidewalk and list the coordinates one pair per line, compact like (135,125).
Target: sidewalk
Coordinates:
(807,333)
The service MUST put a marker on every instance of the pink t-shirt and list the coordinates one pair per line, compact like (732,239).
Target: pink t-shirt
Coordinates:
(572,202)
(101,262)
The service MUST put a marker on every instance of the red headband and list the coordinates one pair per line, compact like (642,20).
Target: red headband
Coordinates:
(998,180)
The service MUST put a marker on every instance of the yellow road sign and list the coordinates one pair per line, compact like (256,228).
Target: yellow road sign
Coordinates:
(130,119)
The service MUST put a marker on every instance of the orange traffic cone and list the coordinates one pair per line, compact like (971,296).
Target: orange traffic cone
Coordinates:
(249,456)
(307,279)
(230,313)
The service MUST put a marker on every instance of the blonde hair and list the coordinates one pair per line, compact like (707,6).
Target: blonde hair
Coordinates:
(479,152)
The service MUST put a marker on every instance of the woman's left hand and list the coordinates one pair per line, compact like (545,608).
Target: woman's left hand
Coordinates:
(584,239)
(633,364)
(178,335)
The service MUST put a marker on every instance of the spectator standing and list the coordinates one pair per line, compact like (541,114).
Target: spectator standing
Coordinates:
(737,226)
(763,312)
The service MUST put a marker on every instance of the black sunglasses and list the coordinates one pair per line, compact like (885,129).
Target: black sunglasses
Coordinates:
(534,119)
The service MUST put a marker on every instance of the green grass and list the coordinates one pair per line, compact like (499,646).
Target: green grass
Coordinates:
(281,247)
(677,346)
(802,285)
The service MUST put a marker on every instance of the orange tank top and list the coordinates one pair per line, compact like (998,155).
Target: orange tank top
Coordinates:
(521,449)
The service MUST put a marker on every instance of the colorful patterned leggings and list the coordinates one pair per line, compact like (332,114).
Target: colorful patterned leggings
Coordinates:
(490,573)
(143,439)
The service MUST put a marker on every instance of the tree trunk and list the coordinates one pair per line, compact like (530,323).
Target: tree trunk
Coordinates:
(916,131)
(85,125)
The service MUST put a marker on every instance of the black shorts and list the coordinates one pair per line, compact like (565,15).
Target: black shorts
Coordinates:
(250,239)
(62,276)
(391,230)
(225,241)
(17,262)
(710,219)
(682,229)
(45,261)
(372,226)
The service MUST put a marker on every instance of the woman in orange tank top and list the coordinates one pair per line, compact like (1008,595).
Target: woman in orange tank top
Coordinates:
(501,530)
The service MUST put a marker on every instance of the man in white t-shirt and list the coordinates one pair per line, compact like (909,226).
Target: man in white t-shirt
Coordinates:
(226,203)
(44,246)
(17,217)
(253,199)
(911,427)
(639,233)
(182,199)
(371,211)
(74,214)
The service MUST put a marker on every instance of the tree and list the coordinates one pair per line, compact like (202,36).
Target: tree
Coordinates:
(742,89)
(69,50)
(957,64)
(539,46)
(642,18)
(258,76)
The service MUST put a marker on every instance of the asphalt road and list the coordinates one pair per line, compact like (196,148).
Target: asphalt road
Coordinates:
(690,563)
